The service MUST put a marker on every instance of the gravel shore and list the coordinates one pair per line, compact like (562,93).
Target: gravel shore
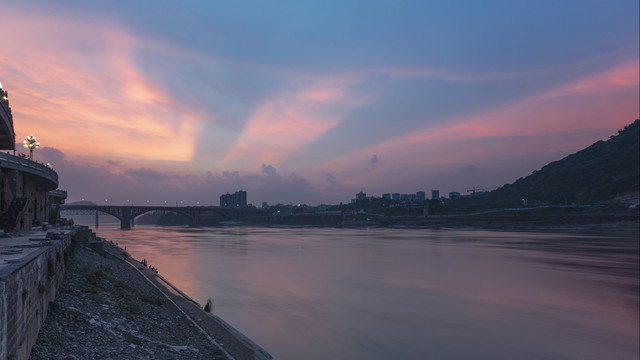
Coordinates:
(112,307)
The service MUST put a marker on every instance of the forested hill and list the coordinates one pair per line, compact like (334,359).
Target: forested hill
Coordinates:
(601,172)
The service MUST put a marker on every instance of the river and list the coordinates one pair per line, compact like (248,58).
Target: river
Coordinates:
(379,293)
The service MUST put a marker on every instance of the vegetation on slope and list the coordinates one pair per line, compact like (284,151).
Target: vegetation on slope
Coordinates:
(601,172)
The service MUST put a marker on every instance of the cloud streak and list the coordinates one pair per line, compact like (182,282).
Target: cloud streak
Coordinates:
(283,124)
(95,101)
(526,132)
(216,96)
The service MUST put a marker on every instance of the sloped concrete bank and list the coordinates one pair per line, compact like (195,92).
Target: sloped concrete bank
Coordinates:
(112,306)
(32,267)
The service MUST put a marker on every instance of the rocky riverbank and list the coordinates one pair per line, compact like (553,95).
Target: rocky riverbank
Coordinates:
(111,306)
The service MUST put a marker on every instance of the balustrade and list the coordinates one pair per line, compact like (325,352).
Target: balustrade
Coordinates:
(28,166)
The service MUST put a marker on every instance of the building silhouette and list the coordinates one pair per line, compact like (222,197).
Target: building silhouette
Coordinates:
(235,200)
(418,196)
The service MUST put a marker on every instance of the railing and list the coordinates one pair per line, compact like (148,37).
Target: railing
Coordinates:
(29,166)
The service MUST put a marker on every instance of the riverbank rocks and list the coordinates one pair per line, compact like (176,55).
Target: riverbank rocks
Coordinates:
(106,309)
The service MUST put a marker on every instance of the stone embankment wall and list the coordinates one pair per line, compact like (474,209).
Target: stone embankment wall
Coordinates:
(27,286)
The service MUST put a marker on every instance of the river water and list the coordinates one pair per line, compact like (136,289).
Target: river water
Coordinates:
(378,293)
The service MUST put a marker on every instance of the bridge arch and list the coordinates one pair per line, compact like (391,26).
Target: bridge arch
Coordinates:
(192,217)
(126,214)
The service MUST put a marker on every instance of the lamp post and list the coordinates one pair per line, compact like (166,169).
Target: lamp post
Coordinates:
(31,143)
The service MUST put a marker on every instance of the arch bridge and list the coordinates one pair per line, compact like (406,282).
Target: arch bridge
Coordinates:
(127,214)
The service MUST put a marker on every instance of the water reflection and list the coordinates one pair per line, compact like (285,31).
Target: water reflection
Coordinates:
(410,294)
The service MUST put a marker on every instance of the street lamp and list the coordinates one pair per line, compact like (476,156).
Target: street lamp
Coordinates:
(31,143)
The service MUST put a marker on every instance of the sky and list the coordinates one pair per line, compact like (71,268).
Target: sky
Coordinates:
(169,102)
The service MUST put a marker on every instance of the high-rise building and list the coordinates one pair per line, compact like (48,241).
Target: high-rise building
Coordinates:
(408,197)
(435,194)
(421,196)
(386,196)
(235,200)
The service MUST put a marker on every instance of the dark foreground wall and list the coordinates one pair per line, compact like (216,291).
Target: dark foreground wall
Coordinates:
(27,286)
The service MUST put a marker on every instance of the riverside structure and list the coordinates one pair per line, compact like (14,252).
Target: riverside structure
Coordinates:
(31,265)
(29,192)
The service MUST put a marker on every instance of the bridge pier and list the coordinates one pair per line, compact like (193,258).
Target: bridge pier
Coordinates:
(125,225)
(126,221)
(195,218)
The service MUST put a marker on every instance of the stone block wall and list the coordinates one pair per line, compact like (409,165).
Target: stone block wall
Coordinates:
(26,289)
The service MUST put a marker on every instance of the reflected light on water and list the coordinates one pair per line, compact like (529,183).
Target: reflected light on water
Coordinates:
(318,293)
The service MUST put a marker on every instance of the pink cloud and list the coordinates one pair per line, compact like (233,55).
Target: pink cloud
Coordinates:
(291,119)
(599,101)
(543,128)
(625,75)
(89,97)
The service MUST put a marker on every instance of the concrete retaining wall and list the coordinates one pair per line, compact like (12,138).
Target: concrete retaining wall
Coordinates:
(26,289)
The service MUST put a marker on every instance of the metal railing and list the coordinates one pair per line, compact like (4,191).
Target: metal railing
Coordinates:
(29,166)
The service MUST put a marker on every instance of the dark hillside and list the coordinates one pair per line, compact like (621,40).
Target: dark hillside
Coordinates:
(598,173)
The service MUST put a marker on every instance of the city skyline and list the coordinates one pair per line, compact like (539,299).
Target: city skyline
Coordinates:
(311,103)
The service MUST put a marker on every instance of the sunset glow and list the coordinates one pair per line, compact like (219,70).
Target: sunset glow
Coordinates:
(213,98)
